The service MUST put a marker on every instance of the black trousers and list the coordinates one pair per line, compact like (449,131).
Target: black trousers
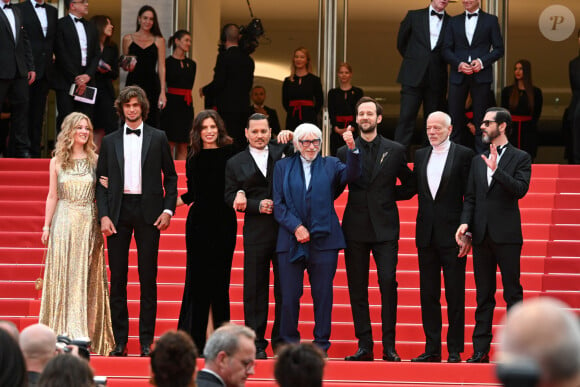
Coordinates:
(38,93)
(431,261)
(131,221)
(257,258)
(16,90)
(487,256)
(357,260)
(65,105)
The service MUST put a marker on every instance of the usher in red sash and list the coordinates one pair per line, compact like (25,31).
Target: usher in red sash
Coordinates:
(297,105)
(186,93)
(519,120)
(344,120)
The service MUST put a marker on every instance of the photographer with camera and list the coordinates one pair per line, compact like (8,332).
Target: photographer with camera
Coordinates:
(230,89)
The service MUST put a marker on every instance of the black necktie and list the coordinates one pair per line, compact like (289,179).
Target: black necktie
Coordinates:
(500,150)
(78,20)
(131,131)
(43,5)
(435,13)
(7,5)
(470,15)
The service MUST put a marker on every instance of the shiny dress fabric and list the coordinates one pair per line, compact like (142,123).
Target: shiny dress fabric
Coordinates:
(75,297)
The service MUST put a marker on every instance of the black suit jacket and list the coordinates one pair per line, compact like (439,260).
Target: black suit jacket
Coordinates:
(487,45)
(205,379)
(242,173)
(574,74)
(414,44)
(67,53)
(371,213)
(42,46)
(15,54)
(232,81)
(155,159)
(443,212)
(495,208)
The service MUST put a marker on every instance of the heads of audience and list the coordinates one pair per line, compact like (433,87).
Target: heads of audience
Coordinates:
(173,360)
(67,370)
(104,28)
(496,126)
(369,113)
(132,105)
(307,140)
(208,131)
(438,128)
(230,352)
(12,365)
(78,8)
(258,131)
(541,341)
(301,64)
(180,41)
(10,327)
(76,132)
(258,95)
(299,365)
(344,73)
(147,21)
(38,345)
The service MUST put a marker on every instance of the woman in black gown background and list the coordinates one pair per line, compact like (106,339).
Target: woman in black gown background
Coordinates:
(342,106)
(148,46)
(177,116)
(302,95)
(211,226)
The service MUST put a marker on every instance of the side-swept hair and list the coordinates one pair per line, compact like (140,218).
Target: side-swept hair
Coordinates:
(125,96)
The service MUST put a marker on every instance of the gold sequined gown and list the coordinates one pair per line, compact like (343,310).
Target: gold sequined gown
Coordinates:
(75,296)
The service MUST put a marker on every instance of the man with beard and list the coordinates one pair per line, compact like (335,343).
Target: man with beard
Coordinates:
(498,179)
(371,223)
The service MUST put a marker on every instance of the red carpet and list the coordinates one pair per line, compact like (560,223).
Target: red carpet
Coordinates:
(550,266)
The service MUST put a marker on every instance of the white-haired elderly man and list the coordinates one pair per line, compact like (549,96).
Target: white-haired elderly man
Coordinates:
(305,186)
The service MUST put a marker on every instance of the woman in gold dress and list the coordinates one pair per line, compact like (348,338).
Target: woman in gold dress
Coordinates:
(75,296)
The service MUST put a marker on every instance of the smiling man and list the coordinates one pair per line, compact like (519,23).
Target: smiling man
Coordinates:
(249,189)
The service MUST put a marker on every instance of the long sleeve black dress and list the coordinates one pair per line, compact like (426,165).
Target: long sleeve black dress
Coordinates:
(302,99)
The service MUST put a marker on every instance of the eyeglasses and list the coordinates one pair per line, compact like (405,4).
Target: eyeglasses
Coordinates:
(487,122)
(307,143)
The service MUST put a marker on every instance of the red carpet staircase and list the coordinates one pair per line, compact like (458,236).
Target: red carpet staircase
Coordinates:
(550,266)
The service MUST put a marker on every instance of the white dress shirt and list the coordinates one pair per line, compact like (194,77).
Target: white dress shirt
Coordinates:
(260,156)
(10,16)
(82,34)
(41,14)
(132,145)
(436,164)
(306,168)
(470,24)
(489,171)
(435,25)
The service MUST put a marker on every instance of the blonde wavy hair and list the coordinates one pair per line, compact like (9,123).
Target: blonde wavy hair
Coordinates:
(65,141)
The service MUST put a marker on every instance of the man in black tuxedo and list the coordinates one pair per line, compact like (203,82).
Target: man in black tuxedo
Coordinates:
(498,179)
(258,97)
(133,160)
(371,223)
(16,73)
(231,84)
(39,20)
(441,170)
(423,73)
(471,45)
(77,54)
(248,189)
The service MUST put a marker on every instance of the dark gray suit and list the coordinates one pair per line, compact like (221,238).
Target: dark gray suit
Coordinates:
(206,379)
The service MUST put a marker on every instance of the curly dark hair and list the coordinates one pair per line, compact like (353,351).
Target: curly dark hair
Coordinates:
(173,360)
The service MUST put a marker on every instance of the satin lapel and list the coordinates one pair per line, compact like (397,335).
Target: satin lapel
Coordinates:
(382,156)
(447,169)
(477,27)
(442,32)
(462,29)
(424,178)
(17,22)
(7,26)
(425,25)
(120,152)
(147,135)
(75,36)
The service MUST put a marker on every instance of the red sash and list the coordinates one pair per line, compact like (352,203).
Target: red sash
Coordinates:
(297,105)
(186,93)
(519,120)
(344,120)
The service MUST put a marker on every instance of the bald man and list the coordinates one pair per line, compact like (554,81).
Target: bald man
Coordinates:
(541,336)
(38,345)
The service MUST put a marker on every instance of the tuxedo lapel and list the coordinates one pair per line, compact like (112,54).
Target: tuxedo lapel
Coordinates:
(147,135)
(382,155)
(442,32)
(505,159)
(447,169)
(425,33)
(119,152)
(6,24)
(424,178)
(477,27)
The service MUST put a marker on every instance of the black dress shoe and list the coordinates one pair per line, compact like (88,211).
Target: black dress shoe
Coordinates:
(391,355)
(454,357)
(145,350)
(427,358)
(361,355)
(261,354)
(119,350)
(479,357)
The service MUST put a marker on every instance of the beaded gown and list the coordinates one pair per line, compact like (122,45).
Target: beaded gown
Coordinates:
(75,296)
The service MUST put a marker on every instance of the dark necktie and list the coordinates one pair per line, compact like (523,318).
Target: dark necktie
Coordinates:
(131,131)
(78,20)
(435,13)
(7,5)
(470,15)
(500,150)
(43,5)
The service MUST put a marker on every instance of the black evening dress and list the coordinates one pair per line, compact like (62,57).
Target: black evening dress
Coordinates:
(342,112)
(302,99)
(210,236)
(105,116)
(177,117)
(524,133)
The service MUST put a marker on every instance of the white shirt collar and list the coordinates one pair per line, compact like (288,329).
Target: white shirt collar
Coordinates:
(443,147)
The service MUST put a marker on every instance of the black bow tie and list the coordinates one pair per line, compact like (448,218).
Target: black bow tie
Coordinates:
(131,131)
(78,20)
(7,5)
(435,13)
(43,5)
(470,15)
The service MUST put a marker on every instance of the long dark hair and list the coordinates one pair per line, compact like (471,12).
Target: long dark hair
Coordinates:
(195,142)
(155,30)
(101,21)
(12,364)
(528,86)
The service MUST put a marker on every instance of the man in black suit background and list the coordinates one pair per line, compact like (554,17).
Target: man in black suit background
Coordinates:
(16,73)
(136,199)
(441,170)
(471,45)
(39,20)
(371,223)
(248,189)
(498,179)
(231,84)
(77,54)
(423,73)
(574,109)
(258,97)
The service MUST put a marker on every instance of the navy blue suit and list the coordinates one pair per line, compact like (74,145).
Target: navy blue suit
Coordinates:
(291,199)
